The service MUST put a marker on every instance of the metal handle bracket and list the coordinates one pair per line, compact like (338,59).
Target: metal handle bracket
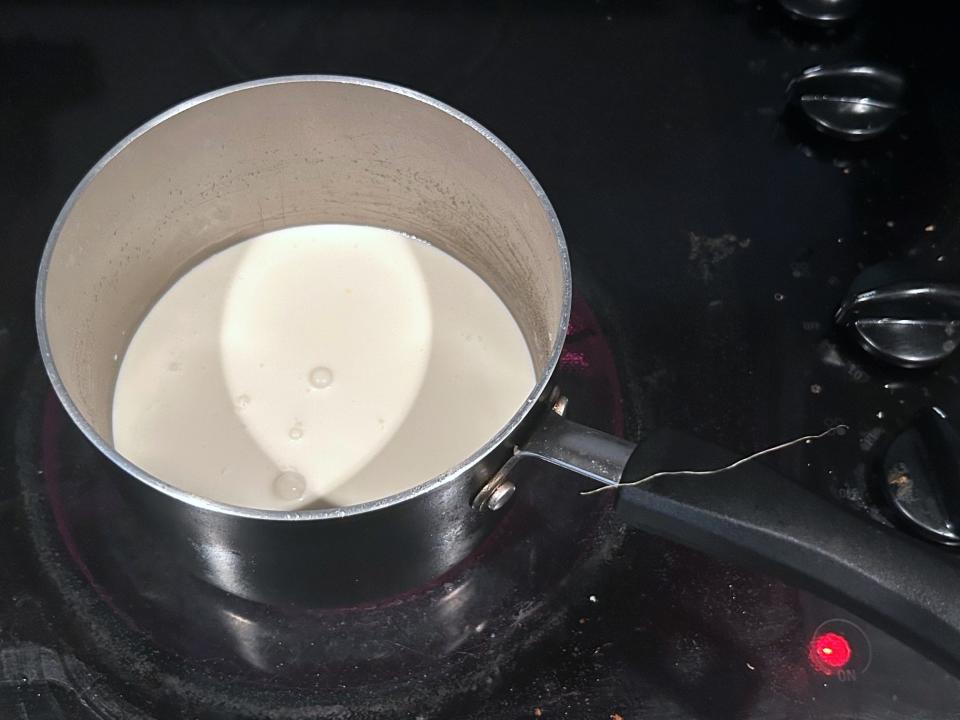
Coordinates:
(572,446)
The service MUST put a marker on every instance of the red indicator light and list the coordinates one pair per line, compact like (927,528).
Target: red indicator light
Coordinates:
(829,652)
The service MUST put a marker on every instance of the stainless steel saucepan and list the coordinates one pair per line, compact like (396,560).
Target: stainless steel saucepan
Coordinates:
(288,151)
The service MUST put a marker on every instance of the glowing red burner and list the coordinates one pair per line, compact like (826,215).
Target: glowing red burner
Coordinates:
(829,652)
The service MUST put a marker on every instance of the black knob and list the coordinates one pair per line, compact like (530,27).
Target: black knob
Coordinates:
(921,477)
(849,101)
(902,320)
(822,12)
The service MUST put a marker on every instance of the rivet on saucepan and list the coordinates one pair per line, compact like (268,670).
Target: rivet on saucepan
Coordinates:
(501,495)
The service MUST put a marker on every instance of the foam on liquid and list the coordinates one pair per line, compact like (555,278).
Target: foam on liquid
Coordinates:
(318,365)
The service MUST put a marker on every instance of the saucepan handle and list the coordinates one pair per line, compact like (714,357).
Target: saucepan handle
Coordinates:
(754,513)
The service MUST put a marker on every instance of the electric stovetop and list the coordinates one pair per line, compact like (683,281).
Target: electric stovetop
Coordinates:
(714,232)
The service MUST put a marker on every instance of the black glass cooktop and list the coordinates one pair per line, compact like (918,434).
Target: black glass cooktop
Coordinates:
(714,232)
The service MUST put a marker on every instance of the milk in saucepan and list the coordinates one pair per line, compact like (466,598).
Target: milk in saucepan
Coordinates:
(318,365)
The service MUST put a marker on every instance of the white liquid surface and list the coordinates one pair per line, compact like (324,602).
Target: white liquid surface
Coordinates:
(318,365)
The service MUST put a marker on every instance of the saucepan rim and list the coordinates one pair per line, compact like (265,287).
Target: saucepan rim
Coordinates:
(198,501)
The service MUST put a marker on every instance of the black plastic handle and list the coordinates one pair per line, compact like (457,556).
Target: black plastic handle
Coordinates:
(753,513)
